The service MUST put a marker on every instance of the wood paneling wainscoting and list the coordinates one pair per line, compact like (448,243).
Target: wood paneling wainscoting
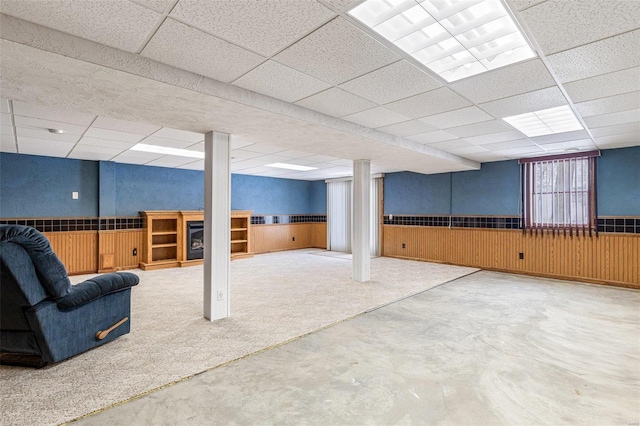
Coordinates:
(607,259)
(85,252)
(292,236)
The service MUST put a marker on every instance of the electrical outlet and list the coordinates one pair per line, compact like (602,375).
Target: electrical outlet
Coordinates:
(220,295)
(74,195)
(135,251)
(404,245)
(520,256)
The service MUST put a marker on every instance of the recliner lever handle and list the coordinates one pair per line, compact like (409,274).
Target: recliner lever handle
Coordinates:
(104,333)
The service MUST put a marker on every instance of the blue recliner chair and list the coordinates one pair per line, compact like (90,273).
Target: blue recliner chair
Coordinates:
(43,317)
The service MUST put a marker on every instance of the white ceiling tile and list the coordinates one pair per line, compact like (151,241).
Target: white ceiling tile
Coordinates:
(52,113)
(336,102)
(237,142)
(188,48)
(43,147)
(264,27)
(72,129)
(199,147)
(94,153)
(429,103)
(527,102)
(170,161)
(525,4)
(263,148)
(290,153)
(120,24)
(337,52)
(391,83)
(560,137)
(613,119)
(105,143)
(601,86)
(452,144)
(340,5)
(608,55)
(196,165)
(495,137)
(4,106)
(136,157)
(611,104)
(109,123)
(526,151)
(158,5)
(458,117)
(407,128)
(581,144)
(470,149)
(7,144)
(482,128)
(247,164)
(320,158)
(281,82)
(44,134)
(179,135)
(341,162)
(516,144)
(241,154)
(113,135)
(376,117)
(560,24)
(432,137)
(486,157)
(170,143)
(618,141)
(504,82)
(5,120)
(620,129)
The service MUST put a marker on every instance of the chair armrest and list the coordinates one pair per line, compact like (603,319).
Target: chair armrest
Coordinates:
(97,287)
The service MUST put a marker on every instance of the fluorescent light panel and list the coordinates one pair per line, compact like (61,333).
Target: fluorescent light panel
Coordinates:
(166,150)
(453,38)
(291,167)
(545,122)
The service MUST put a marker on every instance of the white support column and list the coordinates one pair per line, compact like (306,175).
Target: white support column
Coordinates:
(361,220)
(217,223)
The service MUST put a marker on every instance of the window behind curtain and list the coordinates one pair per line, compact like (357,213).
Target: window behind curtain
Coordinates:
(559,193)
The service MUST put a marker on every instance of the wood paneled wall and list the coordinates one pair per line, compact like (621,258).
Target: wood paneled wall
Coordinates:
(607,259)
(78,250)
(82,252)
(268,238)
(120,244)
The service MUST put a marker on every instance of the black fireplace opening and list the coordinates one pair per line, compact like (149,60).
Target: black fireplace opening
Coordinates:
(195,240)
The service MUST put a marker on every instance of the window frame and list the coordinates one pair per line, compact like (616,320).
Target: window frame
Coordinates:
(530,167)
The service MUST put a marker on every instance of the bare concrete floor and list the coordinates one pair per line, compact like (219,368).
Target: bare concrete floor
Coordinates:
(488,348)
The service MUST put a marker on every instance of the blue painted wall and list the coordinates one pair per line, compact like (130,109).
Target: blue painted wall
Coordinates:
(107,188)
(492,190)
(34,186)
(141,188)
(415,193)
(266,195)
(619,182)
(495,188)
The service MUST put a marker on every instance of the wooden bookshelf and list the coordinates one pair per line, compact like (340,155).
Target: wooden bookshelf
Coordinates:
(165,237)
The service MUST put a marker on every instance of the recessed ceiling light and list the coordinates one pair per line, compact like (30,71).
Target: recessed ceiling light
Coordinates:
(166,150)
(545,122)
(56,131)
(291,167)
(455,39)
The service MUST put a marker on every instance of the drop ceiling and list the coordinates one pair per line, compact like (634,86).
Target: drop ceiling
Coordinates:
(302,82)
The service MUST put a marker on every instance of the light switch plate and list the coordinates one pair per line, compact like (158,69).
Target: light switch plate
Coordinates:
(74,195)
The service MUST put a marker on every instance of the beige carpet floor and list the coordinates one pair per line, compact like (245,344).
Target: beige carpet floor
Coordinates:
(274,298)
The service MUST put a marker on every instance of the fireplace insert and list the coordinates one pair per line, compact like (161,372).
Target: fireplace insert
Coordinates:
(195,240)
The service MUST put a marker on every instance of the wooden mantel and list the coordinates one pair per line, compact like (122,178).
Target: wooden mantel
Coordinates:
(165,237)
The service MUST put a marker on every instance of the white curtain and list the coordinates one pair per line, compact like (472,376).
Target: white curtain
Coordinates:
(374,211)
(339,215)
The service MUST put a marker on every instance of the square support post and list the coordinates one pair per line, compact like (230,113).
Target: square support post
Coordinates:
(361,220)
